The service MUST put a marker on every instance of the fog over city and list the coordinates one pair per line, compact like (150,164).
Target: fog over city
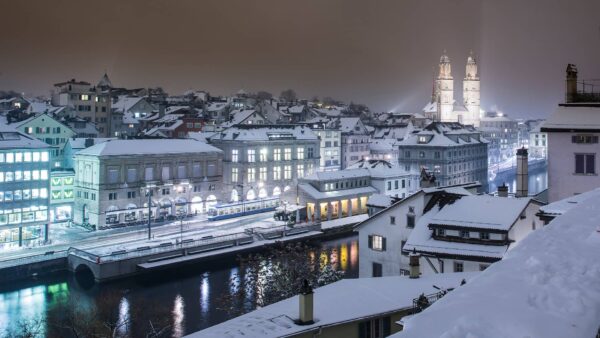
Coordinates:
(379,53)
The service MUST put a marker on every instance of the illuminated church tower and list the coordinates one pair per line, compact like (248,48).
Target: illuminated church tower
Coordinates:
(471,92)
(445,90)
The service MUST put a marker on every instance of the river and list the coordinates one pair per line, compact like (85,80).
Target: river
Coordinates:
(538,181)
(186,300)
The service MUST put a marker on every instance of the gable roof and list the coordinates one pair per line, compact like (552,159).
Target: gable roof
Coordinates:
(148,147)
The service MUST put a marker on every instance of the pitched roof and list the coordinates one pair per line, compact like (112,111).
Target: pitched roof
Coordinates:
(148,147)
(573,117)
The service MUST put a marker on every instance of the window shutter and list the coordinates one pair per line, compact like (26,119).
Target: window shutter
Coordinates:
(370,242)
(383,246)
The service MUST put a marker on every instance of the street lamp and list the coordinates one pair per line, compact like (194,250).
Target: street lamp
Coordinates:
(149,195)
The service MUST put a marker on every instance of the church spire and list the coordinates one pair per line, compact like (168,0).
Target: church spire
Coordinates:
(445,68)
(471,69)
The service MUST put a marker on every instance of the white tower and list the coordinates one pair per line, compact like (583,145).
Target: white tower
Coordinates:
(445,90)
(471,92)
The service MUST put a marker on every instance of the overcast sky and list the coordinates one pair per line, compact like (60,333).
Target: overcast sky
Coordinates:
(381,53)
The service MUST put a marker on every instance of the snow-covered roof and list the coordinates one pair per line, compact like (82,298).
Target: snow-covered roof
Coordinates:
(239,116)
(440,134)
(79,142)
(201,136)
(11,138)
(421,239)
(431,107)
(125,103)
(347,124)
(482,211)
(561,206)
(380,200)
(547,286)
(573,117)
(385,145)
(337,175)
(148,147)
(350,193)
(336,303)
(379,168)
(216,106)
(265,133)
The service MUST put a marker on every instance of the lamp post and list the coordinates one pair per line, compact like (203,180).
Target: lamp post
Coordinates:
(149,195)
(181,217)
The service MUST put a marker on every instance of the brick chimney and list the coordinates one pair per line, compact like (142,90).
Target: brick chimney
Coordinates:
(306,304)
(503,190)
(522,173)
(571,90)
(415,266)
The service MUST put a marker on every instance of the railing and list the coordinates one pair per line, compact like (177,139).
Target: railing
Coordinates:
(424,301)
(48,255)
(203,244)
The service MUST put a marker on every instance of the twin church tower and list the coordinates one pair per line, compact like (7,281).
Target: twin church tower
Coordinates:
(443,107)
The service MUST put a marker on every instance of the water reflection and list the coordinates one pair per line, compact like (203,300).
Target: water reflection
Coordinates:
(123,321)
(538,181)
(189,298)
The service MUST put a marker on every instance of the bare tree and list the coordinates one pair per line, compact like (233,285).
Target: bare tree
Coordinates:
(25,328)
(288,95)
(263,95)
(276,275)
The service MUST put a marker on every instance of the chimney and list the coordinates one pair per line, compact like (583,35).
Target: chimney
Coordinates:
(571,93)
(161,110)
(522,173)
(415,267)
(503,190)
(306,304)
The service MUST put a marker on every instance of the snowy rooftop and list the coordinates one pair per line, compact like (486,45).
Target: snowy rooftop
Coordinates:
(124,103)
(380,200)
(482,211)
(148,147)
(564,205)
(265,133)
(337,175)
(444,135)
(342,193)
(343,301)
(573,117)
(421,240)
(13,139)
(380,168)
(547,286)
(79,143)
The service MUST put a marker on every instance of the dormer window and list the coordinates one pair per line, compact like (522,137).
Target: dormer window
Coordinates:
(422,139)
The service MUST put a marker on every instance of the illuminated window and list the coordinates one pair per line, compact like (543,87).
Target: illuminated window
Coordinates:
(44,156)
(234,174)
(44,174)
(262,174)
(85,97)
(300,153)
(377,243)
(300,170)
(35,156)
(287,172)
(276,173)
(263,155)
(251,155)
(234,155)
(287,155)
(251,174)
(277,154)
(10,158)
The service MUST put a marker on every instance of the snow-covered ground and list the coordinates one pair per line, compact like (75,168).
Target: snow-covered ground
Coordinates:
(548,286)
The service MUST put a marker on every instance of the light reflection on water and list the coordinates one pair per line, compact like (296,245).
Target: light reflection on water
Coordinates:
(189,298)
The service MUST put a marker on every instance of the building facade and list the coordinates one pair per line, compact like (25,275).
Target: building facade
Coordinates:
(262,161)
(24,186)
(115,179)
(453,153)
(355,141)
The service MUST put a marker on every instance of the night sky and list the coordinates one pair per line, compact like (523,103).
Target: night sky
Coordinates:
(381,53)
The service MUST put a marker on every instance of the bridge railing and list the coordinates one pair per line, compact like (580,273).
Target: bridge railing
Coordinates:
(49,255)
(165,247)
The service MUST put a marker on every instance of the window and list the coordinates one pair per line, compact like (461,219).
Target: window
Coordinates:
(287,154)
(392,220)
(112,196)
(484,235)
(300,154)
(263,155)
(197,169)
(300,170)
(377,242)
(410,218)
(421,154)
(464,234)
(377,270)
(422,139)
(166,173)
(458,267)
(276,173)
(234,155)
(287,172)
(149,174)
(396,184)
(441,232)
(251,174)
(585,164)
(166,191)
(181,172)
(407,154)
(584,139)
(131,194)
(310,152)
(234,174)
(251,155)
(113,175)
(131,174)
(262,174)
(44,156)
(277,154)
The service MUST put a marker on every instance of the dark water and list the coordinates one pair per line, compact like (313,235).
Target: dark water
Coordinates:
(538,181)
(186,300)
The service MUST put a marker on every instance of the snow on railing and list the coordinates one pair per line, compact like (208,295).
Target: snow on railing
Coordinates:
(33,259)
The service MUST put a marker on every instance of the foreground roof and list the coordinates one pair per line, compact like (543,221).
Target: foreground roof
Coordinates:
(547,286)
(148,147)
(573,118)
(346,300)
(10,138)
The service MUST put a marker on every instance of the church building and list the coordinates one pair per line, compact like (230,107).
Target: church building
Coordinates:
(443,107)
